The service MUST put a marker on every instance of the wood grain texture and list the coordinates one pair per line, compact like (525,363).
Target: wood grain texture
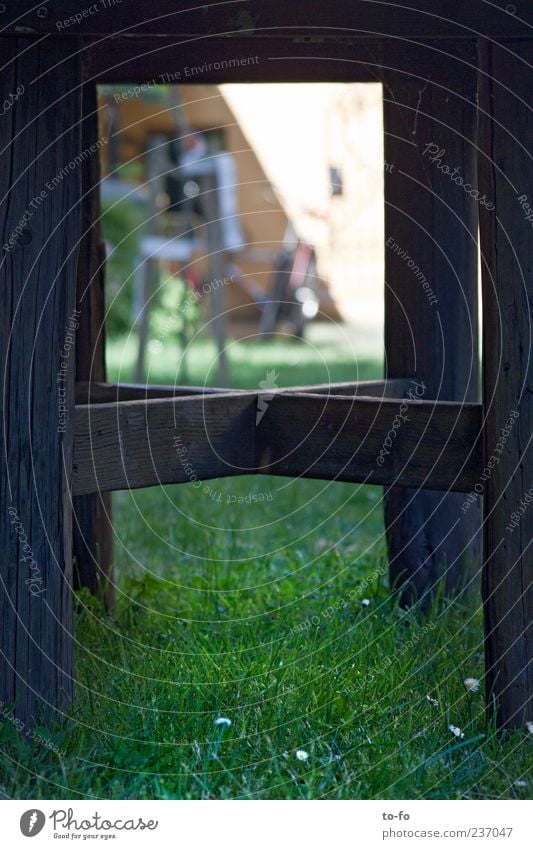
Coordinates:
(145,443)
(92,517)
(431,300)
(96,392)
(335,438)
(40,138)
(409,18)
(506,130)
(279,57)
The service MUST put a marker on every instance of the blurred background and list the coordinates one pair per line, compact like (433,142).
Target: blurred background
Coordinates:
(244,233)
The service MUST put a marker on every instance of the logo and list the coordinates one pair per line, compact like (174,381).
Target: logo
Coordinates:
(32,822)
(263,400)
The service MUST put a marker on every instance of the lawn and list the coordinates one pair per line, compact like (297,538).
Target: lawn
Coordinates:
(274,614)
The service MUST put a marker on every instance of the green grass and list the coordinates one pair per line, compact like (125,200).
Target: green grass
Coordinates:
(330,353)
(254,611)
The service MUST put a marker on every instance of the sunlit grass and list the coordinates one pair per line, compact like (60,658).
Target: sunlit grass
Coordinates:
(328,354)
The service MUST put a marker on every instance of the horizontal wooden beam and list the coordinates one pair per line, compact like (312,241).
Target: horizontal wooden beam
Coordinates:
(409,18)
(361,388)
(133,444)
(426,444)
(109,393)
(283,58)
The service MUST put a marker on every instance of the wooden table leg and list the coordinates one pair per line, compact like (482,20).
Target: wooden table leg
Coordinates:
(40,225)
(92,520)
(431,296)
(505,168)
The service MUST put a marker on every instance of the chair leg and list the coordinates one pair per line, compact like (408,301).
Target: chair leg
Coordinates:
(92,521)
(506,125)
(431,299)
(40,215)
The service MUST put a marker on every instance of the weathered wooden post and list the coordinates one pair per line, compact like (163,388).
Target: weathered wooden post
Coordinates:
(147,271)
(92,527)
(215,246)
(506,130)
(40,225)
(431,315)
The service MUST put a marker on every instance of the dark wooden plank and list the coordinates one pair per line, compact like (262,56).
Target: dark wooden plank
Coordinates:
(145,443)
(92,517)
(334,438)
(410,18)
(366,388)
(40,226)
(279,58)
(506,130)
(107,393)
(431,300)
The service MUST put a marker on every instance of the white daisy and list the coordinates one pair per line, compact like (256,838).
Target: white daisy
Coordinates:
(471,684)
(456,731)
(223,720)
(432,701)
(529,726)
(302,755)
(365,602)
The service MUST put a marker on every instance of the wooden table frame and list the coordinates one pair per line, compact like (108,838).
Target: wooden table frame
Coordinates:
(456,83)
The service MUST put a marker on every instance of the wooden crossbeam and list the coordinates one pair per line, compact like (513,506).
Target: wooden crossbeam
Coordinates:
(409,18)
(132,444)
(365,440)
(307,57)
(96,392)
